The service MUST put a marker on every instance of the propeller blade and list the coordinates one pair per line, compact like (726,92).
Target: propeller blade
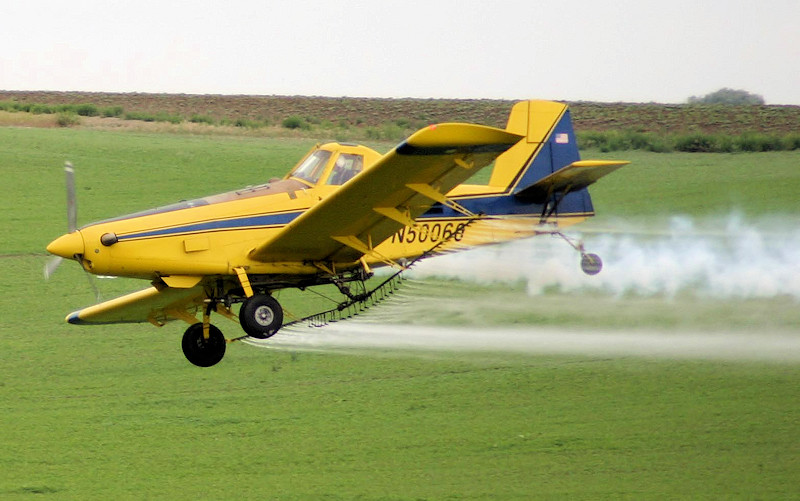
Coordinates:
(72,217)
(93,284)
(72,202)
(51,266)
(72,226)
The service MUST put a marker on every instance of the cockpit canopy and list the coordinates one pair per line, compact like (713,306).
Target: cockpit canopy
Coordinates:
(312,167)
(333,164)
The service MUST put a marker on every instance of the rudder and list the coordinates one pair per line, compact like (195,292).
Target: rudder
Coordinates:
(549,144)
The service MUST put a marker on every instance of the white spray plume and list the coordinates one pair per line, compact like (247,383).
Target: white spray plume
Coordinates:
(366,335)
(729,258)
(724,259)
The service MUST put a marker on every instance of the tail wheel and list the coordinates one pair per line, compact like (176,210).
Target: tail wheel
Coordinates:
(591,264)
(200,351)
(261,316)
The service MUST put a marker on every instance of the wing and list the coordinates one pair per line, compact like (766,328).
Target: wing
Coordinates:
(399,187)
(156,305)
(573,177)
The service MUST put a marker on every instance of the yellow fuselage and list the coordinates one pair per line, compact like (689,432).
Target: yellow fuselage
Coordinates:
(215,235)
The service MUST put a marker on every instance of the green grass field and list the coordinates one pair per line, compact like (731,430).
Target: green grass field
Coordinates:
(116,411)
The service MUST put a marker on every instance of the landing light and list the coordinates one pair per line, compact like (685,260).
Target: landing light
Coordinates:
(109,239)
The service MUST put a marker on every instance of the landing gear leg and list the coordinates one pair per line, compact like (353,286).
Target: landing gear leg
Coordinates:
(202,350)
(260,315)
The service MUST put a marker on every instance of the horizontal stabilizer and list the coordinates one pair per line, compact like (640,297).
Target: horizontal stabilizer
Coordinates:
(573,177)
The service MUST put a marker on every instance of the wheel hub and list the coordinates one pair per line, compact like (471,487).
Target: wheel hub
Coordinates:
(264,315)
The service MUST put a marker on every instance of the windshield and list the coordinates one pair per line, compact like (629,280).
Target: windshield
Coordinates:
(347,166)
(311,168)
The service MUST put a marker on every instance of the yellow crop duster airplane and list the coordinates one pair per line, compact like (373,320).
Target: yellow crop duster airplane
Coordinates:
(341,211)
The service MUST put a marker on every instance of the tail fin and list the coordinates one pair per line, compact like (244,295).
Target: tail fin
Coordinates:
(549,138)
(547,161)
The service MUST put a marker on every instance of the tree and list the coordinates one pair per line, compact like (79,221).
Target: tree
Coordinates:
(728,96)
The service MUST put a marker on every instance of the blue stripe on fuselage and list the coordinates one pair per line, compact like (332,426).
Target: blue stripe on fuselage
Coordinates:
(577,202)
(502,205)
(250,222)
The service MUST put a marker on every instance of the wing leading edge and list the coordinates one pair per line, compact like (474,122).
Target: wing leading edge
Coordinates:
(398,188)
(156,305)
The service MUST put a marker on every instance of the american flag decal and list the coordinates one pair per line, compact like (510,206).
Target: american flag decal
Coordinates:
(562,138)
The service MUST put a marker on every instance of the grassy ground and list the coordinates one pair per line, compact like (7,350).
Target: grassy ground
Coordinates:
(700,185)
(93,413)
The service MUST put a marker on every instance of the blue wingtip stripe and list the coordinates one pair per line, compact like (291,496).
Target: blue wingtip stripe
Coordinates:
(405,148)
(74,318)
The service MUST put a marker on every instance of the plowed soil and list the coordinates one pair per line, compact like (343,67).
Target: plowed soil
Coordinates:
(650,117)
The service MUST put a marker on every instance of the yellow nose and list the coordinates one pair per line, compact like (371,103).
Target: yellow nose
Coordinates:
(67,245)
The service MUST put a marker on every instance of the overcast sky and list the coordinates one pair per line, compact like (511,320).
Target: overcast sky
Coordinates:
(637,50)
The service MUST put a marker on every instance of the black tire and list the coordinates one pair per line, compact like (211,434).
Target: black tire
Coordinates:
(200,351)
(591,264)
(261,316)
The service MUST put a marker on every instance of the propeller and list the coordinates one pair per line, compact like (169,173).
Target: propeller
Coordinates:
(51,266)
(72,217)
(72,226)
(72,200)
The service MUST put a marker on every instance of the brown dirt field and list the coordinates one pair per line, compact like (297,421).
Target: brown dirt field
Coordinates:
(371,112)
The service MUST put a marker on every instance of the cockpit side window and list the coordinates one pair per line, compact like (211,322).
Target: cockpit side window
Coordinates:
(347,166)
(311,168)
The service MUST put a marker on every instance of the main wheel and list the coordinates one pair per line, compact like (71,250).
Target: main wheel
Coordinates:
(591,264)
(200,351)
(261,316)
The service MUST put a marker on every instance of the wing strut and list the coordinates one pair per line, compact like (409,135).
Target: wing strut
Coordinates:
(429,191)
(360,301)
(355,243)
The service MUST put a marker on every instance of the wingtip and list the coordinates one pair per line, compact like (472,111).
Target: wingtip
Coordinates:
(74,318)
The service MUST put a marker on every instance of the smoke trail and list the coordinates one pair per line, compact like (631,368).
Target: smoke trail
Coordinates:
(720,259)
(356,335)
